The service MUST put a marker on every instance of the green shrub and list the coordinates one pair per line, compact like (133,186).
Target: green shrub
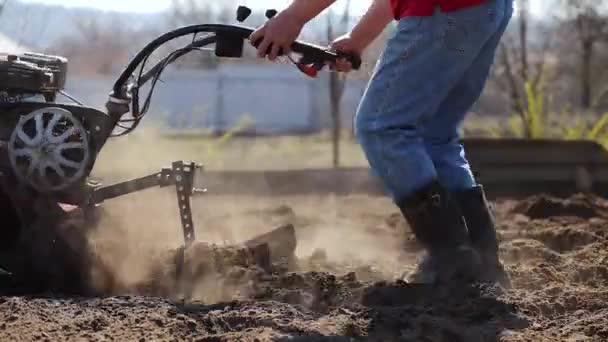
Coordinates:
(536,123)
(534,113)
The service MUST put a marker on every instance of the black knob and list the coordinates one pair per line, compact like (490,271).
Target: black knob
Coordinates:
(271,13)
(242,13)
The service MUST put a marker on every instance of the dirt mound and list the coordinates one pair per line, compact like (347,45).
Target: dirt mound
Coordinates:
(565,239)
(581,206)
(310,306)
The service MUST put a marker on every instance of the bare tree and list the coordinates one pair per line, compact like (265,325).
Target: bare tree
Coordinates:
(518,66)
(186,12)
(190,12)
(591,26)
(98,47)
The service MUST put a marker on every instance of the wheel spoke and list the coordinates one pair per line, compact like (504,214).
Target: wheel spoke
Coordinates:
(57,168)
(64,135)
(33,164)
(39,129)
(71,146)
(51,125)
(24,137)
(61,160)
(42,170)
(24,152)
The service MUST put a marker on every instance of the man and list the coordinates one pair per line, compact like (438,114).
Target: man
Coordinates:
(432,71)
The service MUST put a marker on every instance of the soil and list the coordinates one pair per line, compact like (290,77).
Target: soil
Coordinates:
(342,285)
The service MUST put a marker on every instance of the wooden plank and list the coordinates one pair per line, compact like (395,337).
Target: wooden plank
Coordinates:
(338,181)
(509,166)
(481,151)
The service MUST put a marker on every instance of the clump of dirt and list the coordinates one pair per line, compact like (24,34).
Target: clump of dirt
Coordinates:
(206,272)
(544,206)
(211,274)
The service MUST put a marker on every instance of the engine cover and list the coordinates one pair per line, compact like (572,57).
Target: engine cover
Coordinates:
(31,73)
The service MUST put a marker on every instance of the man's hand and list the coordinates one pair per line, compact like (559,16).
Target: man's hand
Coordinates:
(345,44)
(280,32)
(277,34)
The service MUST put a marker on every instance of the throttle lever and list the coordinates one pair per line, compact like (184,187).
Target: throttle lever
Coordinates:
(310,70)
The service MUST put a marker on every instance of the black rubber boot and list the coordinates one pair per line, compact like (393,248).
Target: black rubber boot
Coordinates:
(482,232)
(440,228)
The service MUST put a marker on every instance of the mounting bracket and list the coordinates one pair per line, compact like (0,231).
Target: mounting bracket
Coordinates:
(181,175)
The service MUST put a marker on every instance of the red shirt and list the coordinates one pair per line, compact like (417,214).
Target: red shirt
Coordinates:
(409,8)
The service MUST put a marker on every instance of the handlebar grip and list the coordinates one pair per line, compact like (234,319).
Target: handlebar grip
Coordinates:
(317,54)
(257,43)
(355,60)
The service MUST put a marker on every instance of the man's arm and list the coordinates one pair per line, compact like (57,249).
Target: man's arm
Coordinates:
(371,24)
(281,31)
(306,10)
(369,27)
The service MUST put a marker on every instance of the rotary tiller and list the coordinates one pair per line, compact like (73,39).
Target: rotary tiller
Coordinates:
(49,147)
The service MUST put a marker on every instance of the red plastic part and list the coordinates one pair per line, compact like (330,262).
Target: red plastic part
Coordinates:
(309,69)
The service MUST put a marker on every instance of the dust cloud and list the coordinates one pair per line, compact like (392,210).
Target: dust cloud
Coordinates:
(138,232)
(138,235)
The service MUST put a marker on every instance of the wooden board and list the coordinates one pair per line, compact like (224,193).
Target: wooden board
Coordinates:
(508,167)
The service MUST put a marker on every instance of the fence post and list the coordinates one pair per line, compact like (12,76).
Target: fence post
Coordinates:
(219,107)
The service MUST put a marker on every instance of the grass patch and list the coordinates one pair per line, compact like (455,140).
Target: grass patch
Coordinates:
(147,150)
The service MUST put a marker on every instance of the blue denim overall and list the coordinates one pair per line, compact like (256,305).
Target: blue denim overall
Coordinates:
(432,72)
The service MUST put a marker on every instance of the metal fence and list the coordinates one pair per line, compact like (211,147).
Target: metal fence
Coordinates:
(276,98)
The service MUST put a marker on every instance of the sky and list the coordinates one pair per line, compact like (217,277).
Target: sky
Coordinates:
(158,5)
(148,6)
